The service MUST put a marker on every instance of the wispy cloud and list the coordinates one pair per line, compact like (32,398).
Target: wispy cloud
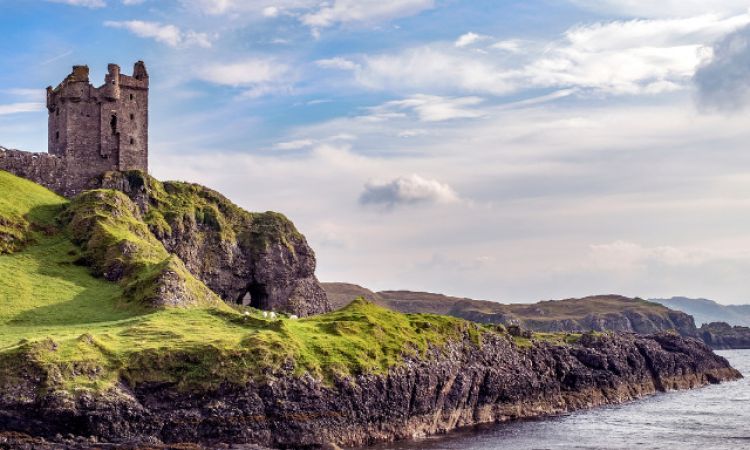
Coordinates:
(15,108)
(85,3)
(430,108)
(620,57)
(468,39)
(365,11)
(170,35)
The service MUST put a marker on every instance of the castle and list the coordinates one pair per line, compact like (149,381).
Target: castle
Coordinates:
(91,131)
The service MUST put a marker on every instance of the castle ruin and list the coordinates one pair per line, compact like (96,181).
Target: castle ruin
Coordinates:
(91,131)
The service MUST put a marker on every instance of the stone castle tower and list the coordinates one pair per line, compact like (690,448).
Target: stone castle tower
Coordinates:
(100,129)
(91,131)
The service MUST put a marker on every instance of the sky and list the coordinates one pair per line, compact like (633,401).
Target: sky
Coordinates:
(506,150)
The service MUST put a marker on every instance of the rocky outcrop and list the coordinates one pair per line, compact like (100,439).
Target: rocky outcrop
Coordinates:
(460,384)
(120,248)
(721,335)
(256,259)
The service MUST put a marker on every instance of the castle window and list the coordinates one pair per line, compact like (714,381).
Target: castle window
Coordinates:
(57,135)
(113,123)
(132,141)
(132,116)
(57,112)
(131,96)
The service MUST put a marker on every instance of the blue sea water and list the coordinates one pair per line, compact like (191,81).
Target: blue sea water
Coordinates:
(715,417)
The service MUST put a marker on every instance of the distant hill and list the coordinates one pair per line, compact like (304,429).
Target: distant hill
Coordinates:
(598,313)
(706,311)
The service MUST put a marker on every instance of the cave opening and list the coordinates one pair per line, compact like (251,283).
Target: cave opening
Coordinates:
(255,296)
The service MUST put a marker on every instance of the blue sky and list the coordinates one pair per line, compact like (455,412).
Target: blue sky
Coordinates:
(508,150)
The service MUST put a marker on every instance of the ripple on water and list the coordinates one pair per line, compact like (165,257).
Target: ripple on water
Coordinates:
(716,417)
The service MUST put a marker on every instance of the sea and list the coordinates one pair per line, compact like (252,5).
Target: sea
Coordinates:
(715,417)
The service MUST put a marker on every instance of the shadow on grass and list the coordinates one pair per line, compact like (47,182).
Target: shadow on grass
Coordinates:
(55,276)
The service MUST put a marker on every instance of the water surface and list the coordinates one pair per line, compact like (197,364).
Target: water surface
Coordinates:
(713,417)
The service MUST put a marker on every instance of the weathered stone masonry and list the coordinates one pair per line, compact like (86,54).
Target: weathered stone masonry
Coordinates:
(90,131)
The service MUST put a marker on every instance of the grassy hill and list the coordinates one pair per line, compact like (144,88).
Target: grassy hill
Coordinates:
(598,313)
(89,297)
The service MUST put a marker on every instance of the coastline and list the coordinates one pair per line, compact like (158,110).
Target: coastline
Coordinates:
(463,384)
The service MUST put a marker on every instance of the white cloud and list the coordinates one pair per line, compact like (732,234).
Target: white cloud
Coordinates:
(271,11)
(430,108)
(166,34)
(337,63)
(15,108)
(364,11)
(249,72)
(664,8)
(409,190)
(85,3)
(509,45)
(468,39)
(295,145)
(622,57)
(435,69)
(313,13)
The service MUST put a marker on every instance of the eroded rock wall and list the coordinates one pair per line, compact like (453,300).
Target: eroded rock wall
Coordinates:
(460,385)
(257,259)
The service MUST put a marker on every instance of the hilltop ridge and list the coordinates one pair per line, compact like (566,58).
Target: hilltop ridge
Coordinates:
(596,313)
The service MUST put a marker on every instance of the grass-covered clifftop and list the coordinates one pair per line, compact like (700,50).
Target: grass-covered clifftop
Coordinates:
(88,296)
(258,258)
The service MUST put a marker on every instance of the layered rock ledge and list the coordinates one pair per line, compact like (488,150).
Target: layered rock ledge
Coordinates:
(462,384)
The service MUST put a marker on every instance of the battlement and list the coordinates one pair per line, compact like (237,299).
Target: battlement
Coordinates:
(91,130)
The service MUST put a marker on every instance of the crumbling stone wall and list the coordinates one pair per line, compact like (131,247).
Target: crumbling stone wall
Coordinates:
(48,170)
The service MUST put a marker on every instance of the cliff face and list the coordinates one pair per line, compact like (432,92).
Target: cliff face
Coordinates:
(460,384)
(721,335)
(256,259)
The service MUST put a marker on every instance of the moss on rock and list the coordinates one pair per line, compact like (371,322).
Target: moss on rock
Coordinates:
(119,246)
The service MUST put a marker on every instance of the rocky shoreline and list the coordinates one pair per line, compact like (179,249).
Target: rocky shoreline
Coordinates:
(460,385)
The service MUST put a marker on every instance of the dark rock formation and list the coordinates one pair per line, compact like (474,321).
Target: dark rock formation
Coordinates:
(721,335)
(257,259)
(459,385)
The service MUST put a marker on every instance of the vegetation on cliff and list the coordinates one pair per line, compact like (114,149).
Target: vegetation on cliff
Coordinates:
(87,303)
(25,207)
(244,257)
(597,313)
(118,246)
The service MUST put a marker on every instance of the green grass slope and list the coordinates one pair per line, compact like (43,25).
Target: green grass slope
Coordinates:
(24,205)
(76,309)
